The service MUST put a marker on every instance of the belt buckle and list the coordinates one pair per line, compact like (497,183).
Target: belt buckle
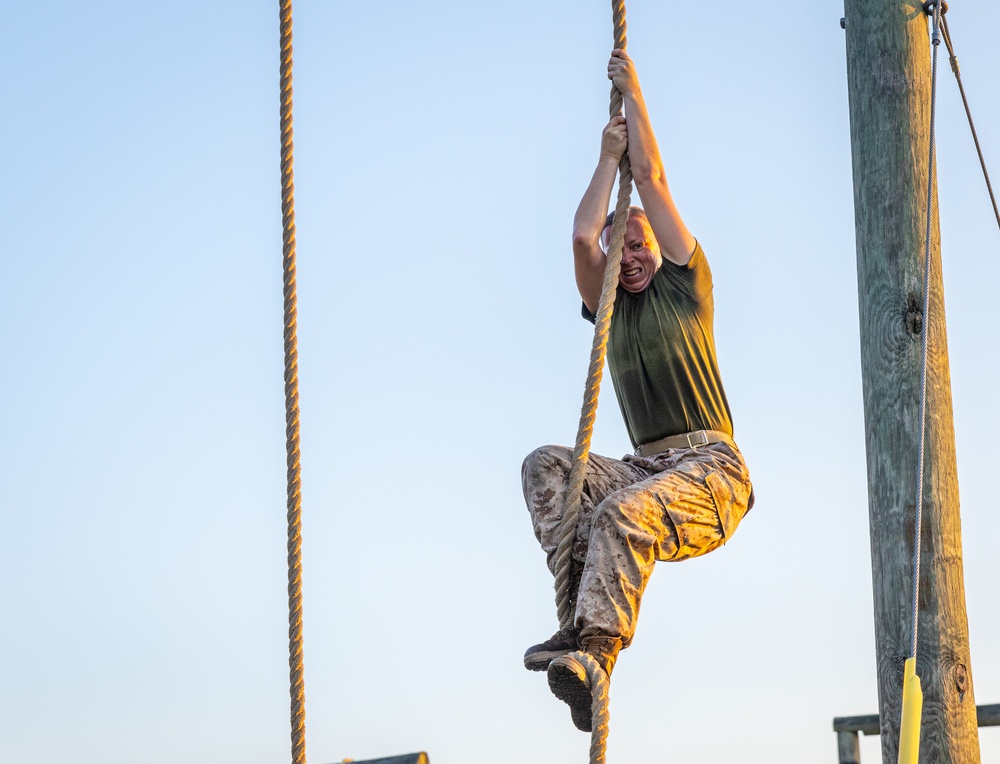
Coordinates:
(700,434)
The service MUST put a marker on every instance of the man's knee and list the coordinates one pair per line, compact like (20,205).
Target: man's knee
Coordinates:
(544,461)
(631,521)
(622,509)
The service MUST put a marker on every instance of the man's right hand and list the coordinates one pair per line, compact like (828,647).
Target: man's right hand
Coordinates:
(614,139)
(621,71)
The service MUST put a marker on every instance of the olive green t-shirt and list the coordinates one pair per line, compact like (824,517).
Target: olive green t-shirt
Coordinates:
(661,351)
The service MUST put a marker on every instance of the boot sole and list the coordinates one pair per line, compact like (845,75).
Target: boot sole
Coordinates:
(540,660)
(568,682)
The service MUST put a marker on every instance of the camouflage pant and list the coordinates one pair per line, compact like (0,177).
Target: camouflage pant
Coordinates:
(671,506)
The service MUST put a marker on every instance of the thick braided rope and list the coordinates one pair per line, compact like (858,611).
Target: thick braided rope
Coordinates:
(294,503)
(599,712)
(571,509)
(602,324)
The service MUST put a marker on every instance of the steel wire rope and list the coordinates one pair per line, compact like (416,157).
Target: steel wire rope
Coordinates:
(293,477)
(953,60)
(925,336)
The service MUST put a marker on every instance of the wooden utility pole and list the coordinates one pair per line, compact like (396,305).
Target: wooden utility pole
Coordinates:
(889,81)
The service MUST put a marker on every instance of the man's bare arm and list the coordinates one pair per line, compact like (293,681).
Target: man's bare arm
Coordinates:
(675,240)
(588,223)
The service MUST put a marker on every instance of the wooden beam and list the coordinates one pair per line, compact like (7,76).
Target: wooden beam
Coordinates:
(410,758)
(848,727)
(986,716)
(866,724)
(888,71)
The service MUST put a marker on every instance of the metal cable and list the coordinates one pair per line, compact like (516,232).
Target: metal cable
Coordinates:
(968,112)
(294,500)
(925,334)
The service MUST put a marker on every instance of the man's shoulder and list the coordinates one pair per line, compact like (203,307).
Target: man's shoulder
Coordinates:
(694,278)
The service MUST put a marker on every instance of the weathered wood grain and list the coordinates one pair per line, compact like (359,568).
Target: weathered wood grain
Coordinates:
(888,65)
(848,750)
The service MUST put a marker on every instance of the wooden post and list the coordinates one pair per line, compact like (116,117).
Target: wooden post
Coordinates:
(848,750)
(888,67)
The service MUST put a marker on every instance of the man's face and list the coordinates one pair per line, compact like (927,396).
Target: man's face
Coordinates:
(640,254)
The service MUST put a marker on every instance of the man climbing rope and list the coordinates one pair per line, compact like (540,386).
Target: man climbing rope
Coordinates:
(686,488)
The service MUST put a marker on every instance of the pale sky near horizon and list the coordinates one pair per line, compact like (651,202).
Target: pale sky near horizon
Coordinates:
(440,153)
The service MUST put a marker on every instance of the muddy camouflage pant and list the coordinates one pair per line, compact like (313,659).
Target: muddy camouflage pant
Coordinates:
(670,506)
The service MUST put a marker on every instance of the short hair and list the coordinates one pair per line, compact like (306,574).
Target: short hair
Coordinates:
(637,212)
(632,212)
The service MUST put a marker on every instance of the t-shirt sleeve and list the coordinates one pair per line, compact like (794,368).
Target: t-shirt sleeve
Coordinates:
(694,280)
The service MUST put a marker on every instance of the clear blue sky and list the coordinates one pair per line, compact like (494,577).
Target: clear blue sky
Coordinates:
(440,152)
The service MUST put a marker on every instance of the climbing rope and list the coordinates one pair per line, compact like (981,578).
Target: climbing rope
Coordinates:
(294,501)
(599,706)
(596,677)
(602,324)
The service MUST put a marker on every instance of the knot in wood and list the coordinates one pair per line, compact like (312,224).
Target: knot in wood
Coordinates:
(961,678)
(896,671)
(914,315)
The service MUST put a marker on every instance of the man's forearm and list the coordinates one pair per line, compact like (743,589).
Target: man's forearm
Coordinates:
(588,259)
(676,242)
(644,152)
(593,209)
